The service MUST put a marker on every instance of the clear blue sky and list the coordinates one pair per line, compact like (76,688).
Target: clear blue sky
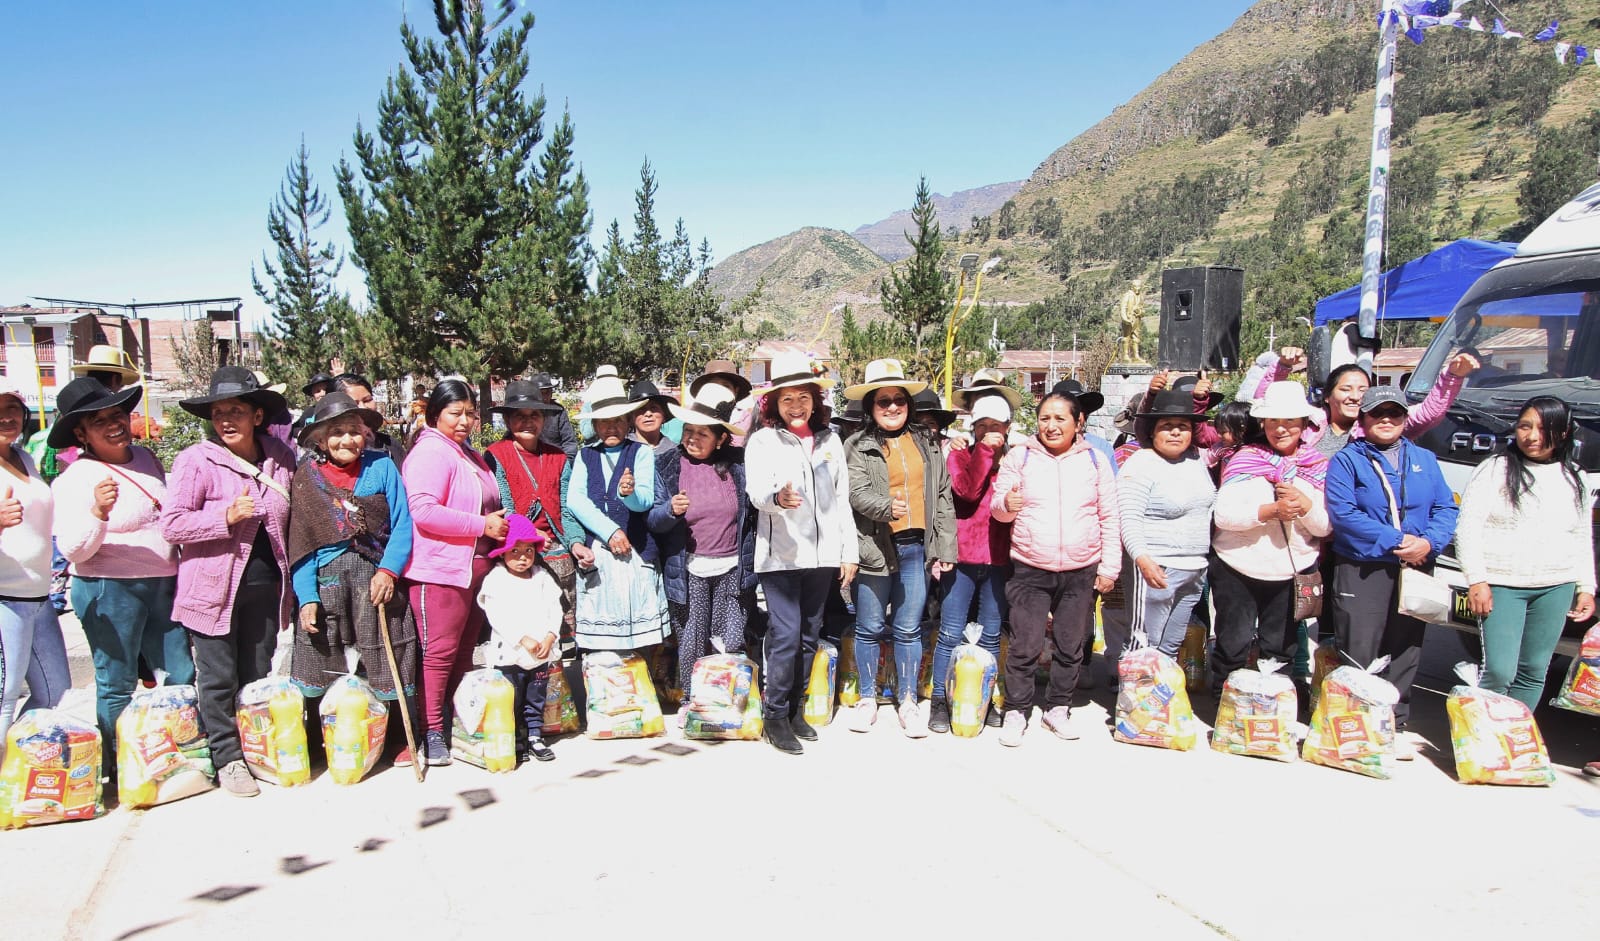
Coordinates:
(145,141)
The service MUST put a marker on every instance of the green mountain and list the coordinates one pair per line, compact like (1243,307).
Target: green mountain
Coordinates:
(887,237)
(802,276)
(1252,150)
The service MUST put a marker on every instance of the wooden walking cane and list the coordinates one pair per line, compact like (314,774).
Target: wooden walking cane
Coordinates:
(401,697)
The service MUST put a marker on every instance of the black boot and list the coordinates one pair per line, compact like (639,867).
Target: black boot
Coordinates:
(939,715)
(797,722)
(781,734)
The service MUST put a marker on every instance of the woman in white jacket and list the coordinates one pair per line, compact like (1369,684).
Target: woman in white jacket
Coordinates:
(1527,548)
(1270,522)
(805,535)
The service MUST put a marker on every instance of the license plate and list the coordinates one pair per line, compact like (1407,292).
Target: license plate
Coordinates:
(1461,609)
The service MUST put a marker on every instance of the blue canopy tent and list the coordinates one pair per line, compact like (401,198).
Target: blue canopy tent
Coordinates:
(1424,288)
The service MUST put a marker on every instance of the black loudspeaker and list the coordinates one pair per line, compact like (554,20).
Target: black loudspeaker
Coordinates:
(1200,311)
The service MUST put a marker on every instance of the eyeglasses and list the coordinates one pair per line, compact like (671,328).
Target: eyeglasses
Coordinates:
(896,402)
(1387,418)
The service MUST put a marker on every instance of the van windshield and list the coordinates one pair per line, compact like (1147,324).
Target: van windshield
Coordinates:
(1519,340)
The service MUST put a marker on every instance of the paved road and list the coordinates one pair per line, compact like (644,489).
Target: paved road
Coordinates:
(865,835)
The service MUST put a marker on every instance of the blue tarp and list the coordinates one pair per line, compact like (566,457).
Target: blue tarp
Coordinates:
(1424,288)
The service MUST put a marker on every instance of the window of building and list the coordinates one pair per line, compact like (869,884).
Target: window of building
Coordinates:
(44,353)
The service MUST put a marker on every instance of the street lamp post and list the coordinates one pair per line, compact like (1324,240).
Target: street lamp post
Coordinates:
(969,264)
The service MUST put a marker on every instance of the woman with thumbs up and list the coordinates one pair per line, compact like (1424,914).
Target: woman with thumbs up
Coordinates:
(124,572)
(705,528)
(456,520)
(621,605)
(31,646)
(227,507)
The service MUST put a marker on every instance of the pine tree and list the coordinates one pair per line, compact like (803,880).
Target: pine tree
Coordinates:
(654,307)
(475,247)
(299,289)
(917,296)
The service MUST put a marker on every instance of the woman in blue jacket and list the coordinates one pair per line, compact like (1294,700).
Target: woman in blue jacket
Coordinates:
(1390,506)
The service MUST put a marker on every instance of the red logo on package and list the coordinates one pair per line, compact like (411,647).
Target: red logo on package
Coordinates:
(46,785)
(156,746)
(1349,728)
(1521,740)
(46,752)
(1262,730)
(253,743)
(1586,684)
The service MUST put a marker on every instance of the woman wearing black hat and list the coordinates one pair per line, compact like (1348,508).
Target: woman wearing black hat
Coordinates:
(651,423)
(532,473)
(1164,499)
(228,507)
(108,525)
(349,540)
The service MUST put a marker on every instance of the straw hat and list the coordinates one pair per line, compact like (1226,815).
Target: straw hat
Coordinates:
(105,358)
(884,374)
(609,398)
(1284,399)
(796,369)
(987,381)
(712,407)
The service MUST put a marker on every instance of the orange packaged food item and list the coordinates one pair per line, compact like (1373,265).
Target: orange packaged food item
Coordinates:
(1494,737)
(51,772)
(1353,725)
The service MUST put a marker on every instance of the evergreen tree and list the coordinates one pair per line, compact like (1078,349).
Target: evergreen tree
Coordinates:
(474,246)
(1562,166)
(303,335)
(654,307)
(917,296)
(1006,225)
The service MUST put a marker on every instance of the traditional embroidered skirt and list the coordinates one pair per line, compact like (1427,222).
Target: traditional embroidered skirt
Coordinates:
(350,622)
(621,604)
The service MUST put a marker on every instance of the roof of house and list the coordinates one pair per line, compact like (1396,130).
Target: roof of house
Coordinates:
(771,348)
(1040,359)
(1399,356)
(51,316)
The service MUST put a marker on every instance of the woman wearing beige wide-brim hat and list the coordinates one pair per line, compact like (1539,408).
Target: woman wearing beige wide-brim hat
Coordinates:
(109,365)
(984,382)
(805,537)
(621,605)
(906,526)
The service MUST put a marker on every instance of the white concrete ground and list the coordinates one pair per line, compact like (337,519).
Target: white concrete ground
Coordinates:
(864,836)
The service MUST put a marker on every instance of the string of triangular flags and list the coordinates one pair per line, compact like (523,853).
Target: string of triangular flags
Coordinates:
(1413,17)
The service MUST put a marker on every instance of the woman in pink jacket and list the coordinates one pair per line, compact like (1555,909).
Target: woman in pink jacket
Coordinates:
(1061,499)
(227,509)
(456,519)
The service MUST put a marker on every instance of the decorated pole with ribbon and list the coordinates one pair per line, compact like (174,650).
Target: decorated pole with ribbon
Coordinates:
(1378,183)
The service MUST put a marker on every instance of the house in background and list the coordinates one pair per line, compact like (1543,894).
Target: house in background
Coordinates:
(41,344)
(1038,370)
(759,369)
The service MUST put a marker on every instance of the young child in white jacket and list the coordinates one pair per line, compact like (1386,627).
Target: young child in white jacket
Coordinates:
(522,603)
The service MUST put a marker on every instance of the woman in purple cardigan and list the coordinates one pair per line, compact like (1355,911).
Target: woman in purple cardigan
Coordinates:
(228,511)
(456,518)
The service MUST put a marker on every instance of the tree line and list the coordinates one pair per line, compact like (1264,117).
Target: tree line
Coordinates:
(469,218)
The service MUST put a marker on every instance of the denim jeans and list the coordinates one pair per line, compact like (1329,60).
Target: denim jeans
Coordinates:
(988,583)
(897,599)
(32,650)
(124,618)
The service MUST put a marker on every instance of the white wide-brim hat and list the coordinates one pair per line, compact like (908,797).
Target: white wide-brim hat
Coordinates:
(795,369)
(607,397)
(712,407)
(1286,399)
(884,374)
(985,382)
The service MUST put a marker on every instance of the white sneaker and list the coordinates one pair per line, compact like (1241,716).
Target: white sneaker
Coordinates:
(1011,730)
(911,721)
(863,714)
(1058,719)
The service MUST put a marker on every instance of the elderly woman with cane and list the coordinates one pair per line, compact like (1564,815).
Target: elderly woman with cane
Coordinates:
(349,540)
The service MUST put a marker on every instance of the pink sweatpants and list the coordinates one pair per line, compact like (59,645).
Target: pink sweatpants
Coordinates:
(449,623)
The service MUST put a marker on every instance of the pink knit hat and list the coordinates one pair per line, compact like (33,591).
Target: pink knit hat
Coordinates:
(521,530)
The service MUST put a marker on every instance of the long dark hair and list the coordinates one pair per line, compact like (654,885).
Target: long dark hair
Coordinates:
(767,415)
(1555,424)
(1333,381)
(445,394)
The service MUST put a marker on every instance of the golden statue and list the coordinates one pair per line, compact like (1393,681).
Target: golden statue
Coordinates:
(1130,314)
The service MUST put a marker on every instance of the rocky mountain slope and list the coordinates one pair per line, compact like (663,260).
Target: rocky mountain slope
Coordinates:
(887,237)
(802,276)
